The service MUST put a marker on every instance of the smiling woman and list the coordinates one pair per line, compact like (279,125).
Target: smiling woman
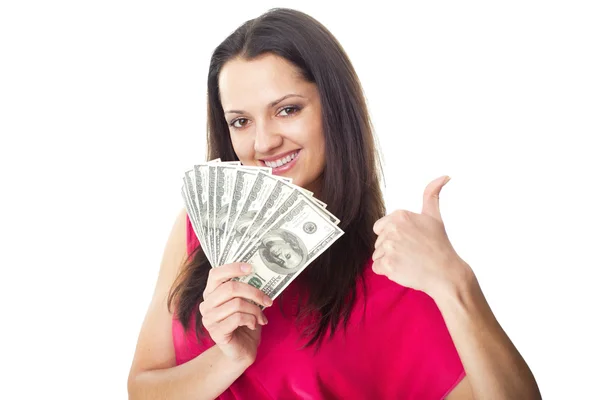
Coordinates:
(285,134)
(389,311)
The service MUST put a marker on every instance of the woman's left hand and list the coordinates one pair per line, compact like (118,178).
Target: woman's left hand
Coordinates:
(414,251)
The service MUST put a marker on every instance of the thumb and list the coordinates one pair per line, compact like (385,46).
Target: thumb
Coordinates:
(431,197)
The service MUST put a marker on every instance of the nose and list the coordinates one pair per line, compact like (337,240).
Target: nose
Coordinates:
(266,139)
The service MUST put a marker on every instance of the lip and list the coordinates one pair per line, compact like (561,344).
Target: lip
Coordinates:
(278,156)
(284,168)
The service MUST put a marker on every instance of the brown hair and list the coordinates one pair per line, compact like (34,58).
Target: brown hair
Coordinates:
(350,180)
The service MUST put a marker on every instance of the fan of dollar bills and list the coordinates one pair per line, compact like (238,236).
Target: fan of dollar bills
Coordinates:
(246,214)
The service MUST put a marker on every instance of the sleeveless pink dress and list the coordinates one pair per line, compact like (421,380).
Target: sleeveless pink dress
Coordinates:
(397,348)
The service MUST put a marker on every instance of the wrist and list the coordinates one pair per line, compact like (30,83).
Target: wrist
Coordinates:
(239,362)
(458,282)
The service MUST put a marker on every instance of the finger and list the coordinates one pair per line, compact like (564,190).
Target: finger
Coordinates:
(218,314)
(378,267)
(387,247)
(221,331)
(380,239)
(233,289)
(378,253)
(379,224)
(431,197)
(219,275)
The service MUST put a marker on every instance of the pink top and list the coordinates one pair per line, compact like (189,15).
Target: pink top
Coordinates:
(400,348)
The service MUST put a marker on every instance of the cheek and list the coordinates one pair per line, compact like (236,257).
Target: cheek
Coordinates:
(312,136)
(322,150)
(318,150)
(243,147)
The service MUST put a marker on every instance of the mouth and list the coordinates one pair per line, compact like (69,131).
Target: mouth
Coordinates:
(282,162)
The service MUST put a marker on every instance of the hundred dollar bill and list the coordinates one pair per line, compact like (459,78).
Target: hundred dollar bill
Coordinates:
(190,211)
(224,221)
(224,181)
(281,190)
(288,246)
(197,200)
(319,202)
(194,205)
(201,175)
(257,195)
(226,175)
(193,186)
(188,190)
(243,183)
(212,175)
(306,192)
(282,206)
(199,178)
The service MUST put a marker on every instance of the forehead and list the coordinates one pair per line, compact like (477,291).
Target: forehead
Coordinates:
(243,83)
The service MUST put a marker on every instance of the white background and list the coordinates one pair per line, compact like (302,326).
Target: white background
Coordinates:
(102,109)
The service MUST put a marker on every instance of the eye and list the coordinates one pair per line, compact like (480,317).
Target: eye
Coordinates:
(290,110)
(237,120)
(288,256)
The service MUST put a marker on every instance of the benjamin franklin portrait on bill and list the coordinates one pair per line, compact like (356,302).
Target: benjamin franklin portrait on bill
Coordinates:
(282,251)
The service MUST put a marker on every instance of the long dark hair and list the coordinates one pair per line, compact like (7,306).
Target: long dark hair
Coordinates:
(350,181)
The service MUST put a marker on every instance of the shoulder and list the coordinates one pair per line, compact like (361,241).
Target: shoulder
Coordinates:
(174,254)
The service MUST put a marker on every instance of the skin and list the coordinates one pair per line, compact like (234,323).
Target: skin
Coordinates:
(411,249)
(261,130)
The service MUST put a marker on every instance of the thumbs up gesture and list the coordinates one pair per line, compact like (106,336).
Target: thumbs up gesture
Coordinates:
(413,249)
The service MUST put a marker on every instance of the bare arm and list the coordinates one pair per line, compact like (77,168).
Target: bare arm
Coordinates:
(204,377)
(153,373)
(494,367)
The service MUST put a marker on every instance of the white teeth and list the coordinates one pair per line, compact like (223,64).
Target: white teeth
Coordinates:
(282,161)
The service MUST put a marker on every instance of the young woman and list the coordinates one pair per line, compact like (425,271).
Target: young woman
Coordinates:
(390,311)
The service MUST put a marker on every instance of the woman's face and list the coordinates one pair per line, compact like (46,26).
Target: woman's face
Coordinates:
(267,129)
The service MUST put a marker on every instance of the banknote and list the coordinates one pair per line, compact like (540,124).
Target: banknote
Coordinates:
(246,213)
(289,245)
(280,192)
(257,195)
(225,184)
(194,221)
(281,207)
(243,183)
(212,175)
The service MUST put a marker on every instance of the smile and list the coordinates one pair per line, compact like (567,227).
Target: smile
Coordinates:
(282,161)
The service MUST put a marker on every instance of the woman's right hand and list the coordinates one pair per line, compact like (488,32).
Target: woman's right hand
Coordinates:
(234,323)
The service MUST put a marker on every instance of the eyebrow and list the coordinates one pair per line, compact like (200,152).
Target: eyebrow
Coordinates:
(273,103)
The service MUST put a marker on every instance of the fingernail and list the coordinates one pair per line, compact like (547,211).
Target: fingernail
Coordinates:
(246,268)
(267,301)
(265,319)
